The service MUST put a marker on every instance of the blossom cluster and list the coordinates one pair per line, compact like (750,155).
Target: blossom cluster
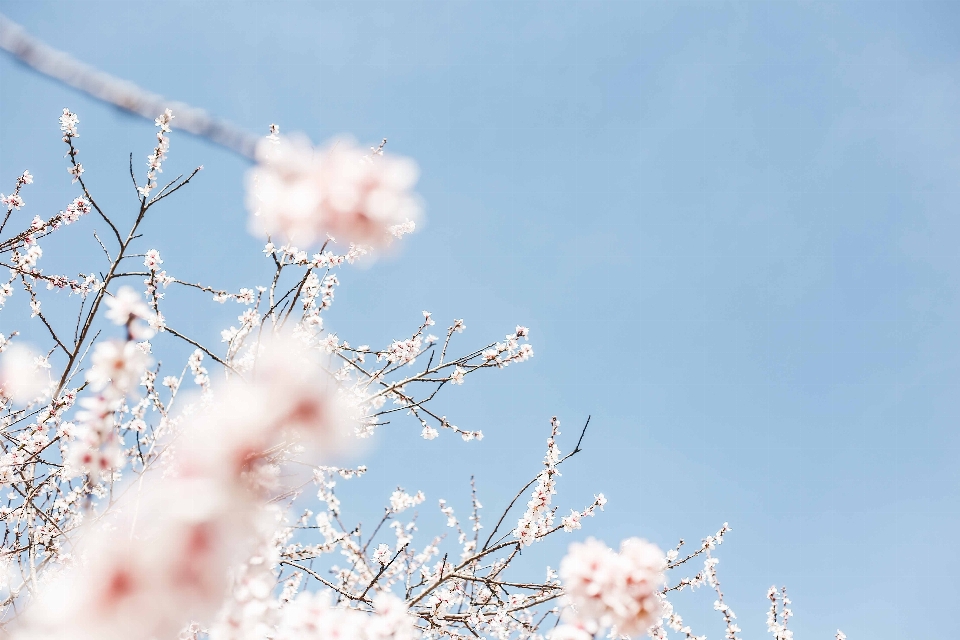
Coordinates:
(141,582)
(21,375)
(607,589)
(155,159)
(313,617)
(303,193)
(537,520)
(778,616)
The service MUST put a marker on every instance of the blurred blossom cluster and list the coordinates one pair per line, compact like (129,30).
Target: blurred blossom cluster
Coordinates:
(142,577)
(301,194)
(608,589)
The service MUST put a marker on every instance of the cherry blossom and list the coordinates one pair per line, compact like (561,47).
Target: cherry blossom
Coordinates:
(303,193)
(152,260)
(68,124)
(21,380)
(117,367)
(610,589)
(126,307)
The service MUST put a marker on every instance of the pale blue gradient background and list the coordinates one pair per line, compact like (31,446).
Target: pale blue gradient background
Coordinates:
(732,228)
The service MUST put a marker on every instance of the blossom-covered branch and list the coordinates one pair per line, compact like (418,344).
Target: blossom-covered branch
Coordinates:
(153,494)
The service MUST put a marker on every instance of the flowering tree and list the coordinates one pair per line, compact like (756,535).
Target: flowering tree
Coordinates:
(154,502)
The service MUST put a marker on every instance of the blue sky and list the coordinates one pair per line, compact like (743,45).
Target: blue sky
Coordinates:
(731,227)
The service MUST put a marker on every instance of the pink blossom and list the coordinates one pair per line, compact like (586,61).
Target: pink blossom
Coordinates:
(289,395)
(151,259)
(146,581)
(313,617)
(127,308)
(140,587)
(13,201)
(569,632)
(303,193)
(609,589)
(117,367)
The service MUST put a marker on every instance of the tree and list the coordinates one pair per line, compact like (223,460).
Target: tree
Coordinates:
(150,502)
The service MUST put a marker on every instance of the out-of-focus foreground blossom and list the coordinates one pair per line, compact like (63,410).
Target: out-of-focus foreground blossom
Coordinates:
(312,617)
(22,376)
(609,589)
(301,194)
(166,560)
(127,307)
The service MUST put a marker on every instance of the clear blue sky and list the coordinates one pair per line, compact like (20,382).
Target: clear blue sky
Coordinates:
(731,227)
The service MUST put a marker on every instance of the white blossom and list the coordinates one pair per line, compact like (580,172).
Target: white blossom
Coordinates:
(21,379)
(68,124)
